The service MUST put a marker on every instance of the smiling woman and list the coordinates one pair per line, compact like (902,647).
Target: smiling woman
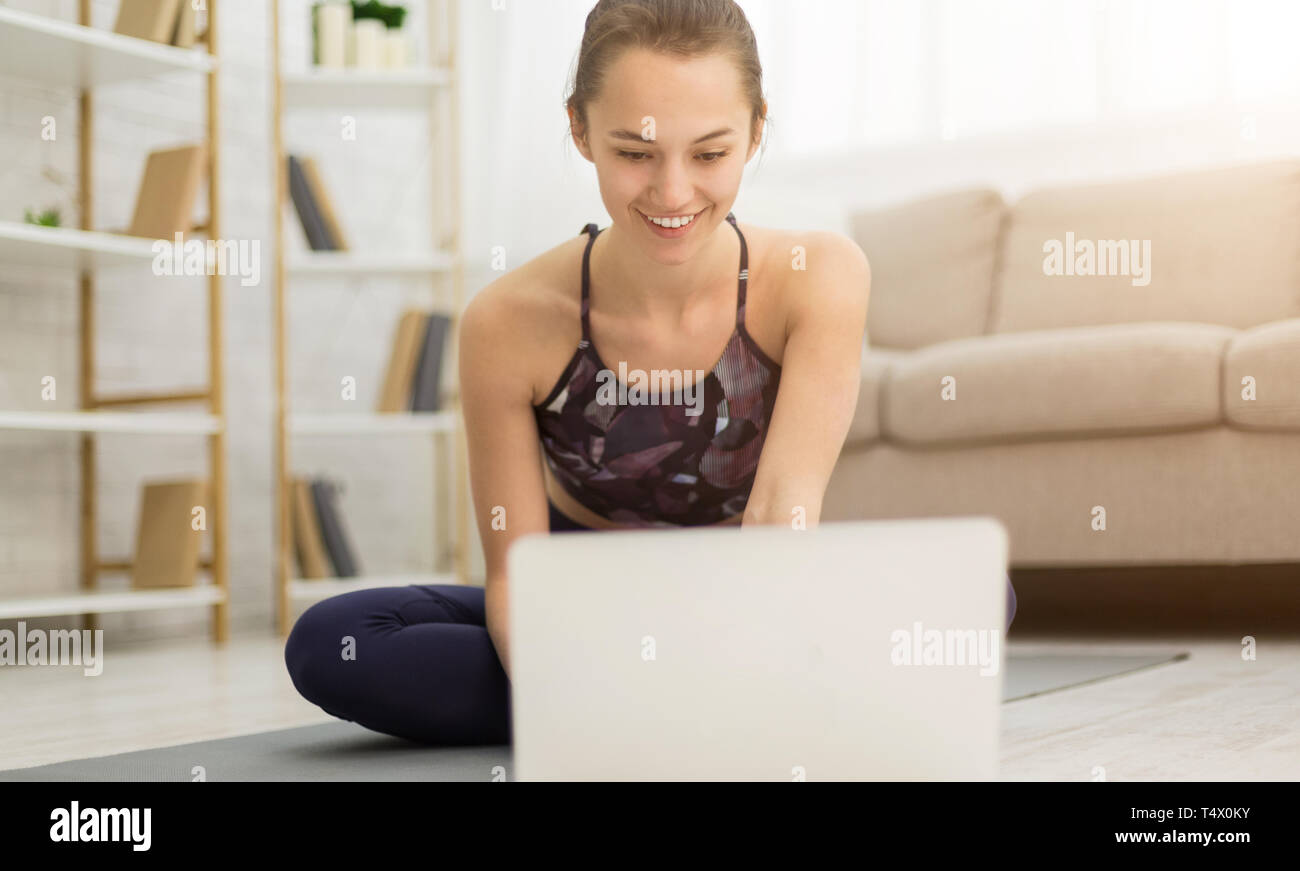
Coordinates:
(667,104)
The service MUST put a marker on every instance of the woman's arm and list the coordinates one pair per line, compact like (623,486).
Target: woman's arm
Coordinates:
(820,375)
(509,496)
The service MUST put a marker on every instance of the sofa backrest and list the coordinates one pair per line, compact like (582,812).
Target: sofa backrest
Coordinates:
(1221,246)
(932,263)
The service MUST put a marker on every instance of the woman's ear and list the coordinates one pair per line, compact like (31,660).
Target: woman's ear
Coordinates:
(758,135)
(579,134)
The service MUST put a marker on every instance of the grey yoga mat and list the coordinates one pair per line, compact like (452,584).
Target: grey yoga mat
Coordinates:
(344,751)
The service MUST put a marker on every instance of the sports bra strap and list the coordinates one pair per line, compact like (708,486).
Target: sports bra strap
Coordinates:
(744,272)
(593,231)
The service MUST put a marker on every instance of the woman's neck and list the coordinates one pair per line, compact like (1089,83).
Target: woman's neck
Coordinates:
(664,294)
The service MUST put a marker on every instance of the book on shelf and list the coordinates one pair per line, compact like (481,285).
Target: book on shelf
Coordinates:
(167,542)
(314,210)
(337,544)
(312,224)
(184,35)
(154,20)
(164,205)
(313,558)
(316,187)
(426,392)
(395,393)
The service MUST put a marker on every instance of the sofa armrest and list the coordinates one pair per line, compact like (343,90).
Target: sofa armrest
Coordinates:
(864,429)
(1261,377)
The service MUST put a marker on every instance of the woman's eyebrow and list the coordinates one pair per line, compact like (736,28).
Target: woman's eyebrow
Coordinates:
(636,137)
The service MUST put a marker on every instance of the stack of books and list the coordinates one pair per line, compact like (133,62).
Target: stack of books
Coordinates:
(414,376)
(321,540)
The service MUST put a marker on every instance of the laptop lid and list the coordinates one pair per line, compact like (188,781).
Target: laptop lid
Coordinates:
(849,651)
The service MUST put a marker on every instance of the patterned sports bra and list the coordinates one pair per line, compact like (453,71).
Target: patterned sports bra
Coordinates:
(669,461)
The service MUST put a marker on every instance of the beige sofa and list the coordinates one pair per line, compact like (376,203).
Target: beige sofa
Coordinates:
(992,387)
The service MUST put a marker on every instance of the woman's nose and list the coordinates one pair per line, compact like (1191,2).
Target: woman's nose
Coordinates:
(673,185)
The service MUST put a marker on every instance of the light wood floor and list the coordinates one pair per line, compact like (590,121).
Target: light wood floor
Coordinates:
(1211,717)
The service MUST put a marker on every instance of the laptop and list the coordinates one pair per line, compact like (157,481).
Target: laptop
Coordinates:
(865,650)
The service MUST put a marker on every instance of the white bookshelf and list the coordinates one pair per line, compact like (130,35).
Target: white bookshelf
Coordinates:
(105,601)
(351,264)
(53,53)
(142,422)
(304,590)
(66,248)
(371,89)
(62,54)
(429,90)
(373,424)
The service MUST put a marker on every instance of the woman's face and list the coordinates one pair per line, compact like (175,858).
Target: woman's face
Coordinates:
(647,138)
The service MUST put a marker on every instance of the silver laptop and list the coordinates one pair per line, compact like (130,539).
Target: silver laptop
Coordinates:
(851,651)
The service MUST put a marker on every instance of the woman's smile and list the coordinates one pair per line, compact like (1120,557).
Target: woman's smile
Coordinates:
(668,232)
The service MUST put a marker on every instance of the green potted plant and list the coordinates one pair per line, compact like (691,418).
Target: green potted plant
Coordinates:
(391,16)
(46,218)
(379,41)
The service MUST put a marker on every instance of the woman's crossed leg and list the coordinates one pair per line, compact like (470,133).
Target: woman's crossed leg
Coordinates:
(415,661)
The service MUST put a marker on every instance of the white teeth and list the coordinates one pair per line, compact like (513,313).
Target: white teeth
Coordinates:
(671,222)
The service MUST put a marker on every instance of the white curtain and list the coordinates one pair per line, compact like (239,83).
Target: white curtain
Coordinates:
(847,74)
(867,80)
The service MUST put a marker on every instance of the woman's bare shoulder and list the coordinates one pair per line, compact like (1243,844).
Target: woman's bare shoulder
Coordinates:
(786,256)
(533,313)
(778,248)
(786,271)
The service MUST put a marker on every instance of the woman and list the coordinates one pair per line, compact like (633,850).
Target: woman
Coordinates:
(667,104)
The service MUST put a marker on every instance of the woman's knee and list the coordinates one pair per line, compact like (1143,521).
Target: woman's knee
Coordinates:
(314,644)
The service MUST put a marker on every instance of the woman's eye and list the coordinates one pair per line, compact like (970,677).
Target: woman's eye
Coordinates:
(710,157)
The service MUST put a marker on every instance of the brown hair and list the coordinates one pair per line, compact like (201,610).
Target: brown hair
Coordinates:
(687,28)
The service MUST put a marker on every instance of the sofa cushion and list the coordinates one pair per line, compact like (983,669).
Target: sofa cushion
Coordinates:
(865,426)
(931,267)
(1224,248)
(1122,378)
(1270,355)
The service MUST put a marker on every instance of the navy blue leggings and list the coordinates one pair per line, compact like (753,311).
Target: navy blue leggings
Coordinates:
(413,661)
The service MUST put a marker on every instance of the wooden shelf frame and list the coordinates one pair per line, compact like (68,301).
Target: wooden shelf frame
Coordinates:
(56,53)
(429,88)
